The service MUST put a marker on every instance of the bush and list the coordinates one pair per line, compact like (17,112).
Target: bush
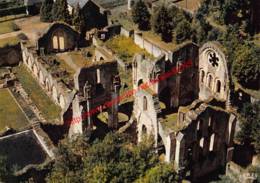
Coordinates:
(13,11)
(183,31)
(246,65)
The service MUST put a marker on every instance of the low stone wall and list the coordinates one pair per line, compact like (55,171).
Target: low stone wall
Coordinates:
(10,55)
(150,47)
(126,33)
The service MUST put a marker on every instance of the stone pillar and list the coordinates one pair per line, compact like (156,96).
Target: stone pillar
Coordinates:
(231,130)
(170,148)
(179,152)
(113,111)
(129,3)
(76,123)
(87,96)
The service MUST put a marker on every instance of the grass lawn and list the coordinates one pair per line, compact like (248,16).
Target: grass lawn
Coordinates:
(156,39)
(10,113)
(104,117)
(9,41)
(49,109)
(124,47)
(170,122)
(8,26)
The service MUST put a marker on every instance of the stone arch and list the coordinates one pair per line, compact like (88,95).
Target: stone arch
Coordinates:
(35,70)
(55,93)
(47,84)
(25,57)
(30,63)
(62,101)
(41,78)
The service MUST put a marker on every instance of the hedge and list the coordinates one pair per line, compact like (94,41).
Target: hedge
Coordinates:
(12,11)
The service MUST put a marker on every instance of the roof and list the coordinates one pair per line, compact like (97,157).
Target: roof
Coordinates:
(82,3)
(75,2)
(31,2)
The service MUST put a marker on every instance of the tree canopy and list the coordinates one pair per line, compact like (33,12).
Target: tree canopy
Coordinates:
(141,15)
(45,12)
(60,11)
(162,23)
(250,125)
(114,159)
(78,19)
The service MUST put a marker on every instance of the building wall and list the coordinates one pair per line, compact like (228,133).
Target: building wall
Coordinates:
(58,38)
(94,16)
(214,76)
(150,47)
(208,139)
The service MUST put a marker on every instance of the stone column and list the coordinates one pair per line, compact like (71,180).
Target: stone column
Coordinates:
(179,152)
(87,96)
(129,3)
(113,111)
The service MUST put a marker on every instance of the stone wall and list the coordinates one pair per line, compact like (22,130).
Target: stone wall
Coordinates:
(208,138)
(10,55)
(125,32)
(214,75)
(54,89)
(150,47)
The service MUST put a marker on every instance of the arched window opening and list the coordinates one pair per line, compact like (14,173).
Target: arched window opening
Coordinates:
(140,82)
(58,41)
(218,87)
(144,130)
(98,76)
(145,103)
(198,125)
(202,76)
(210,81)
(211,144)
(201,142)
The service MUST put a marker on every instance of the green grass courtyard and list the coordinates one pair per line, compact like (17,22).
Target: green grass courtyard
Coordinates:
(11,115)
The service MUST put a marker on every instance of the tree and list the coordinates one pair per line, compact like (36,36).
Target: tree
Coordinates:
(45,12)
(113,159)
(141,15)
(78,19)
(162,23)
(60,11)
(246,65)
(183,31)
(6,174)
(250,125)
(161,173)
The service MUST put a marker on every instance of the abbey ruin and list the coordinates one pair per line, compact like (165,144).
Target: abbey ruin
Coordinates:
(189,115)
